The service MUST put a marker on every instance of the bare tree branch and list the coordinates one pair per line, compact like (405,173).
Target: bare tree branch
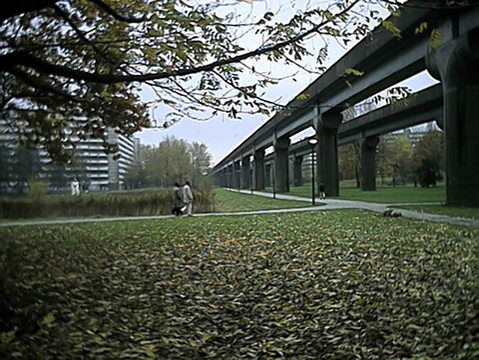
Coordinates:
(40,85)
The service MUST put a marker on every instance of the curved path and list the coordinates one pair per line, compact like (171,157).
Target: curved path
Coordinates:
(328,204)
(334,204)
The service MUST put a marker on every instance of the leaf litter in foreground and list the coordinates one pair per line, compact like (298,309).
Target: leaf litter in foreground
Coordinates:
(314,285)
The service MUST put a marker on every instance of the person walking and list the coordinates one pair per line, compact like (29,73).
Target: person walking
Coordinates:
(75,187)
(322,191)
(188,198)
(177,200)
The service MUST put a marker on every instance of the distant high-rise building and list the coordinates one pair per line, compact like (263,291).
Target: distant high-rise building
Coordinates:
(120,162)
(137,144)
(96,170)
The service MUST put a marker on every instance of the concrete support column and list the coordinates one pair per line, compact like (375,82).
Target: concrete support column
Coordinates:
(218,178)
(298,171)
(224,180)
(455,64)
(327,161)
(259,169)
(229,180)
(267,175)
(245,173)
(236,175)
(281,164)
(368,163)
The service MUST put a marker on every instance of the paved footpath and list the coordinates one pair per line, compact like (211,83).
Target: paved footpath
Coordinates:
(328,204)
(334,204)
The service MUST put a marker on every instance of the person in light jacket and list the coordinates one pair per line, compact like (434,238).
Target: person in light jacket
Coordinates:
(188,198)
(75,186)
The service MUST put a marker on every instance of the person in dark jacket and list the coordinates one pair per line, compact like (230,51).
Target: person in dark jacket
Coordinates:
(322,191)
(177,200)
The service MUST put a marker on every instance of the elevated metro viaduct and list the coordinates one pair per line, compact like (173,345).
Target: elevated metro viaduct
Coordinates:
(385,61)
(423,107)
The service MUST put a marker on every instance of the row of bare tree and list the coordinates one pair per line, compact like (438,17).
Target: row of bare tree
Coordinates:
(173,160)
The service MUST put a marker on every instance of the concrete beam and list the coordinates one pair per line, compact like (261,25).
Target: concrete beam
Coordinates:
(420,108)
(301,123)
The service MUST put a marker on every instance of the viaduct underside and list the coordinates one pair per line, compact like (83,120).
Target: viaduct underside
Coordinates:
(385,61)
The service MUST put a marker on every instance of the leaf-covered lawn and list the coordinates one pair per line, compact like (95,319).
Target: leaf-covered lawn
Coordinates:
(330,285)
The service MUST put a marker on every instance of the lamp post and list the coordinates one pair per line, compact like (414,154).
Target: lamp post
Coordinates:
(312,142)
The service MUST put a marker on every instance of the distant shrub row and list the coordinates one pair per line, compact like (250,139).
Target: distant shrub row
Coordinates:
(144,203)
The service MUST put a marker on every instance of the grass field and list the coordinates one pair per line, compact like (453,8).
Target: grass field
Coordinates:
(469,213)
(332,285)
(399,194)
(230,201)
(386,195)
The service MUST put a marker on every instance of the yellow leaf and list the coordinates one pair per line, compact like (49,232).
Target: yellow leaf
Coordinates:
(392,29)
(150,351)
(6,337)
(354,72)
(420,28)
(48,319)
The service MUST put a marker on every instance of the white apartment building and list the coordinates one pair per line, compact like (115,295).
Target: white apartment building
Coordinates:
(96,170)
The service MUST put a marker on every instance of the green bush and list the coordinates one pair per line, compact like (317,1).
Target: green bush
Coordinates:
(138,203)
(38,190)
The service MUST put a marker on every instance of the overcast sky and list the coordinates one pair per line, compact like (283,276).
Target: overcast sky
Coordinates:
(222,134)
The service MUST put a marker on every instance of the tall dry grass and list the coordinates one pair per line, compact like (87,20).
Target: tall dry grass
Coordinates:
(135,203)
